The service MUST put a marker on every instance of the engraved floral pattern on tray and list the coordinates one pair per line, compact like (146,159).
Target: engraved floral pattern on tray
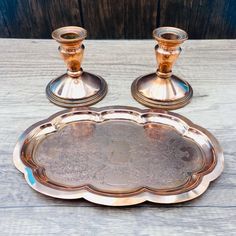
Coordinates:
(118,156)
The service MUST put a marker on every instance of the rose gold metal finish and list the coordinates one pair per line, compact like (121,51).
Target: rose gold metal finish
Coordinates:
(76,87)
(162,89)
(118,156)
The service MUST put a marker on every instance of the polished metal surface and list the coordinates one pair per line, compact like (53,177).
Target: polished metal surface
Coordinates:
(163,89)
(118,156)
(168,94)
(76,88)
(85,90)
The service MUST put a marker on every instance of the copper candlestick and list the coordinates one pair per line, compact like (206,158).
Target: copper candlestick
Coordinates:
(163,89)
(76,87)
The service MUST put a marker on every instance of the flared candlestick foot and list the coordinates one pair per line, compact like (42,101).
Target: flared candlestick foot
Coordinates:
(169,94)
(69,92)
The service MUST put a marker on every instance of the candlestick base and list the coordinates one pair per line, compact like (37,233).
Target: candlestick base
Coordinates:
(85,90)
(170,93)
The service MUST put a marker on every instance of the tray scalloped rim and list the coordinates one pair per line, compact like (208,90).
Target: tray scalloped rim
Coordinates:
(110,200)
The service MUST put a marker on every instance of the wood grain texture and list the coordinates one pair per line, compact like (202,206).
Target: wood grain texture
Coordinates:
(26,68)
(108,19)
(140,18)
(103,18)
(109,221)
(201,18)
(37,18)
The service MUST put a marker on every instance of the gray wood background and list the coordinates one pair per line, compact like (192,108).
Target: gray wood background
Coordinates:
(26,68)
(118,19)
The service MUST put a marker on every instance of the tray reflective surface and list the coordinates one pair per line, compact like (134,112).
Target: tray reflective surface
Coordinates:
(118,156)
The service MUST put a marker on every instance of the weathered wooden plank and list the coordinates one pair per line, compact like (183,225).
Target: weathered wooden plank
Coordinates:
(37,18)
(118,221)
(26,68)
(140,18)
(28,65)
(3,24)
(103,19)
(201,18)
(16,16)
(106,19)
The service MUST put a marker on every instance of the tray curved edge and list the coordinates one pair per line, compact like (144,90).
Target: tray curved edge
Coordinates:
(119,201)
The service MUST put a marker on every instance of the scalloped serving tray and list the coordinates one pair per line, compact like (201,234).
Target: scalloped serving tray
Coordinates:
(118,156)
